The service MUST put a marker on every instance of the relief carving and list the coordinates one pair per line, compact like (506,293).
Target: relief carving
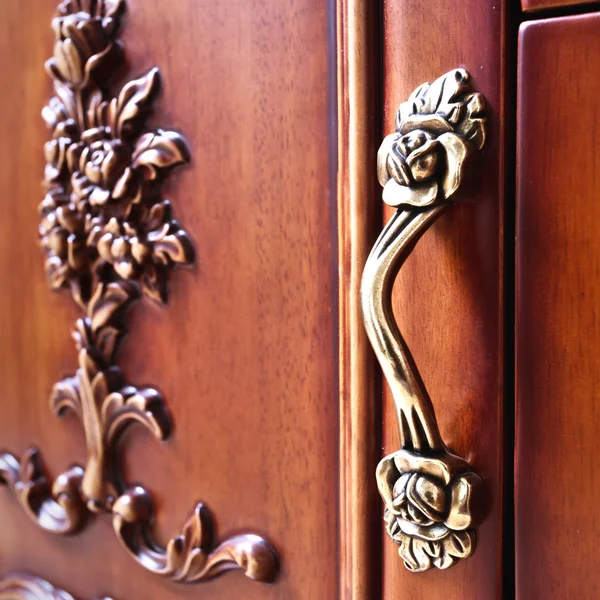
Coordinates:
(110,237)
(21,586)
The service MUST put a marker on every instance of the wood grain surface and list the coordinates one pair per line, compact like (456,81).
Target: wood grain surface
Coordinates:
(246,352)
(448,300)
(558,295)
(359,220)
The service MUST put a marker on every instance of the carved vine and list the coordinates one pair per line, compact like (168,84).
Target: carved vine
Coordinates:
(432,497)
(110,237)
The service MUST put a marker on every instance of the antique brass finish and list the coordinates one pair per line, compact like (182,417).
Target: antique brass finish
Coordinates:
(109,237)
(432,497)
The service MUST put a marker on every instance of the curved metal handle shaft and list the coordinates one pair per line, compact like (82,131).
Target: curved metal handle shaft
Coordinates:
(416,417)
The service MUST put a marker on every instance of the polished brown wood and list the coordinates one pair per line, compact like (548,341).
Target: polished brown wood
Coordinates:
(558,295)
(534,5)
(359,214)
(448,299)
(246,354)
(110,238)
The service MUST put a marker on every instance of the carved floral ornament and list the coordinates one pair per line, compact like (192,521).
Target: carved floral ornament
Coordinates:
(432,498)
(22,586)
(110,237)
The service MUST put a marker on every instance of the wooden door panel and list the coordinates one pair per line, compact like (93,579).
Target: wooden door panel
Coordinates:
(558,294)
(245,352)
(448,299)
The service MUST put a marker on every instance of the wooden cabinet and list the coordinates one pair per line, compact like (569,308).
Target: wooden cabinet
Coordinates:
(244,352)
(225,326)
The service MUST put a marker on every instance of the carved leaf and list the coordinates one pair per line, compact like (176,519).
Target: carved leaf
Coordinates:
(460,544)
(160,213)
(80,289)
(82,334)
(9,469)
(171,245)
(188,557)
(155,152)
(101,382)
(94,8)
(190,548)
(59,508)
(130,405)
(61,119)
(154,283)
(65,396)
(107,341)
(443,92)
(474,126)
(67,97)
(20,586)
(31,466)
(96,113)
(100,386)
(127,113)
(109,302)
(249,553)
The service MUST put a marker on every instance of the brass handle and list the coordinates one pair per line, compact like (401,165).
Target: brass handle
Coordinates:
(432,497)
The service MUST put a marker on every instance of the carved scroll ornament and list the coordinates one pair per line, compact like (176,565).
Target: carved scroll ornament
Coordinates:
(110,237)
(432,498)
(21,586)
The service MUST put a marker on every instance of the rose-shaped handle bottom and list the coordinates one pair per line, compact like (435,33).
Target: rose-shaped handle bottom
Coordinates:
(432,505)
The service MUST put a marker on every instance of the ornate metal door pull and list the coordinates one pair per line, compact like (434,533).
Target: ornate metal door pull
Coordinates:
(432,497)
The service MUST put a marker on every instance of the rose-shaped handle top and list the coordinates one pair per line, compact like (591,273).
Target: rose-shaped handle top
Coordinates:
(437,130)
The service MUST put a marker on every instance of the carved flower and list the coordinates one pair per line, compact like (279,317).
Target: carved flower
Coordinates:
(63,233)
(120,245)
(101,170)
(84,40)
(429,508)
(58,119)
(55,152)
(106,167)
(437,129)
(144,253)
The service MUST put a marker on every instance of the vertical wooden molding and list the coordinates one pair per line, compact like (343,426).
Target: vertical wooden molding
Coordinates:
(359,220)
